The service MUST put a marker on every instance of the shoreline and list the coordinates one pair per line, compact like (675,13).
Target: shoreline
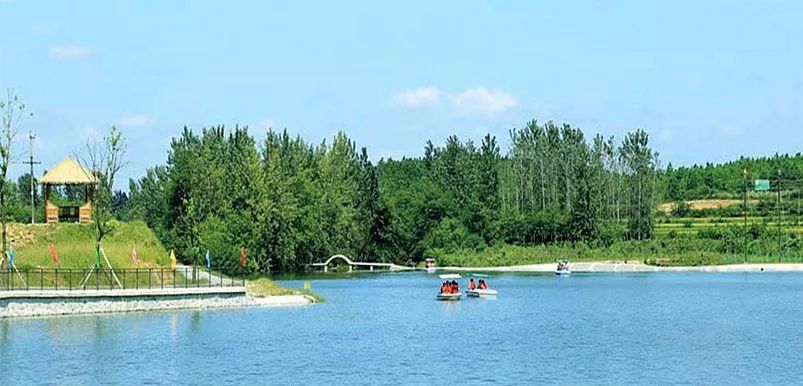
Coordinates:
(27,305)
(614,267)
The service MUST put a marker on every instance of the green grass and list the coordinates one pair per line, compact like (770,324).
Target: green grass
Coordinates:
(263,287)
(75,246)
(682,251)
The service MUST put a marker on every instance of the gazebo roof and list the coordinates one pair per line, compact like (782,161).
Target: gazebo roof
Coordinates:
(68,172)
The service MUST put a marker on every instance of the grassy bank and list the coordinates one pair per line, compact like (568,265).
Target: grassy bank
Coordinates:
(75,246)
(263,287)
(662,252)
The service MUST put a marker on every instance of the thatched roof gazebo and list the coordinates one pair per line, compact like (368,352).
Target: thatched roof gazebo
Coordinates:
(68,172)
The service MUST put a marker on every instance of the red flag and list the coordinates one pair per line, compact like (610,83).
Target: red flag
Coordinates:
(53,256)
(242,257)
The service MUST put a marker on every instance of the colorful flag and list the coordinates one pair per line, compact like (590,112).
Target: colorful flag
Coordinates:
(242,257)
(172,259)
(53,256)
(11,256)
(134,256)
(208,260)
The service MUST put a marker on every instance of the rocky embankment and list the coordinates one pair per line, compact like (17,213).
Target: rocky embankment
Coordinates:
(32,304)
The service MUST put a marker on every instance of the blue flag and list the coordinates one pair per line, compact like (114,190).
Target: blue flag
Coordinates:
(208,260)
(11,256)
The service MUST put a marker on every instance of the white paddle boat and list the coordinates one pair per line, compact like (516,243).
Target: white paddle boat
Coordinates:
(480,292)
(449,296)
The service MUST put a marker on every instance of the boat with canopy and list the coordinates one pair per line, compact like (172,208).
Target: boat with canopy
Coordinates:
(450,290)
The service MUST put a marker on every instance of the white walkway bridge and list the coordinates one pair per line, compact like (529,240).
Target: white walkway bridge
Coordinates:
(359,264)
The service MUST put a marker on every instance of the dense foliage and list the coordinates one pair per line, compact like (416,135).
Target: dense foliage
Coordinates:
(728,179)
(290,203)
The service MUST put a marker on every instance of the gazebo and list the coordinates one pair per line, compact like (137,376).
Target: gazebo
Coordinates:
(68,172)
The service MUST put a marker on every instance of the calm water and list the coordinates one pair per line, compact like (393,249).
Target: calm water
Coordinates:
(388,329)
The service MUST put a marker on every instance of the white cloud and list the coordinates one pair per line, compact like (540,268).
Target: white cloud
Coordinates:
(135,120)
(483,101)
(69,51)
(420,97)
(731,131)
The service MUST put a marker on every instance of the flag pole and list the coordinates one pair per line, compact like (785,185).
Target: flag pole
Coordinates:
(13,267)
(114,275)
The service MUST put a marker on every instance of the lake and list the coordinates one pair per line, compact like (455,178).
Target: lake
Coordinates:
(712,328)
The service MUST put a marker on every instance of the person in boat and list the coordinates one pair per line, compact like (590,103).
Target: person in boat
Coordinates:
(483,285)
(471,284)
(444,288)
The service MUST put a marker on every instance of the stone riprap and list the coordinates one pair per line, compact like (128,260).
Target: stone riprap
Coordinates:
(15,304)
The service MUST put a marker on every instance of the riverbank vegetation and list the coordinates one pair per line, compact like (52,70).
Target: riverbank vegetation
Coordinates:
(263,287)
(290,203)
(553,193)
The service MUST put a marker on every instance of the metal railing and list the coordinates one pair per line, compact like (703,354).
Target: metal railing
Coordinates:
(26,279)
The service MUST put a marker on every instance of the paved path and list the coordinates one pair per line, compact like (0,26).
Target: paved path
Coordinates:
(203,274)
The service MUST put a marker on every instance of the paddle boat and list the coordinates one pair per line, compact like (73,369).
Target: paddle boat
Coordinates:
(449,296)
(429,265)
(563,268)
(480,292)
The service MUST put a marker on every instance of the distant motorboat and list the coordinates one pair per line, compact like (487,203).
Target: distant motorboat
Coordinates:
(429,265)
(480,293)
(563,268)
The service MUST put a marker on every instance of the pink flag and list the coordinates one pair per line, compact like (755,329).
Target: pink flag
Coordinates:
(134,257)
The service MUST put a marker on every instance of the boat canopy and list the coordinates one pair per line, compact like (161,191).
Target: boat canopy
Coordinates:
(450,276)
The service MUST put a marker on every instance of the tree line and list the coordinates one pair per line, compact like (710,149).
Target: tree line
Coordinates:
(727,180)
(290,202)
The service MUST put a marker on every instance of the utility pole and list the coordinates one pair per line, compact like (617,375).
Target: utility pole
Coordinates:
(779,215)
(744,212)
(31,162)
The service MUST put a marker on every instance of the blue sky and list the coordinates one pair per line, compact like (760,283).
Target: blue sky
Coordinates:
(709,80)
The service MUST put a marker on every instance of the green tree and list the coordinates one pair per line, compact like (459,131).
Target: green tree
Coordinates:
(105,159)
(12,111)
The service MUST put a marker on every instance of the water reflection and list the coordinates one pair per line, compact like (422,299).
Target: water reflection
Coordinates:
(173,326)
(4,333)
(100,328)
(195,321)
